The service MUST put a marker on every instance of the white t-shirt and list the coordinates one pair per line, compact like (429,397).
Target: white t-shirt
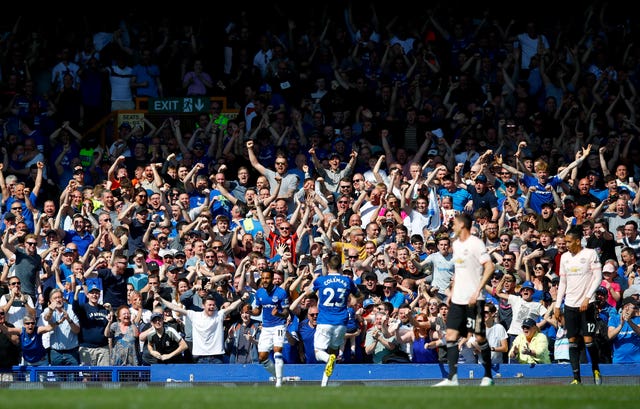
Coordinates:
(16,312)
(120,79)
(468,258)
(522,310)
(495,335)
(207,332)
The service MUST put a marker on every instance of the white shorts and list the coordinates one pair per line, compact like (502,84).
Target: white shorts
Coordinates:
(329,336)
(271,337)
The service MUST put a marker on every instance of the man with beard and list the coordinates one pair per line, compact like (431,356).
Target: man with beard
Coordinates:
(491,236)
(273,303)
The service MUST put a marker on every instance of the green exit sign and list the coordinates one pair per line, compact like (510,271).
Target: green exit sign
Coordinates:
(183,105)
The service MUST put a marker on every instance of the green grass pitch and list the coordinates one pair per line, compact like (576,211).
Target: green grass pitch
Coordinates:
(311,397)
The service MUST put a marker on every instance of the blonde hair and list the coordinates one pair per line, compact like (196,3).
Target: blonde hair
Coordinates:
(540,165)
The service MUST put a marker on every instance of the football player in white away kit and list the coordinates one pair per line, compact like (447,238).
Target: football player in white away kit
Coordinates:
(580,277)
(473,268)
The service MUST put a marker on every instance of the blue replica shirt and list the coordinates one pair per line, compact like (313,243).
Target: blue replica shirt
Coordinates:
(333,298)
(277,298)
(626,345)
(541,195)
(307,335)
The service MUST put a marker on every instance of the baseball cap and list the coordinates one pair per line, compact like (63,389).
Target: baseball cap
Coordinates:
(608,268)
(126,125)
(368,303)
(481,178)
(153,265)
(92,287)
(632,290)
(78,169)
(528,323)
(433,152)
(511,182)
(67,250)
(438,133)
(142,209)
(569,198)
(370,275)
(179,254)
(527,284)
(601,290)
(173,268)
(628,300)
(157,315)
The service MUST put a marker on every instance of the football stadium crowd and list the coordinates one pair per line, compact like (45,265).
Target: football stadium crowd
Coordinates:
(341,138)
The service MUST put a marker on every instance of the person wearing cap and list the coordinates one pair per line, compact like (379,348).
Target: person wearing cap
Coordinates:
(531,346)
(523,306)
(473,268)
(483,197)
(580,275)
(93,317)
(609,274)
(164,343)
(624,332)
(369,284)
(509,193)
(601,337)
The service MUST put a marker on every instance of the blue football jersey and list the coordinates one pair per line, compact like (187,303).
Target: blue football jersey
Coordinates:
(278,298)
(333,298)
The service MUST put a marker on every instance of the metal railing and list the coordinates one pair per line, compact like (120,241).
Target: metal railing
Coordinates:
(81,373)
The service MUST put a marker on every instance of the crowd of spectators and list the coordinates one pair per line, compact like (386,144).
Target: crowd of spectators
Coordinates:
(362,130)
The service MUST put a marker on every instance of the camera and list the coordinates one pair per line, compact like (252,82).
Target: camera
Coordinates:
(204,280)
